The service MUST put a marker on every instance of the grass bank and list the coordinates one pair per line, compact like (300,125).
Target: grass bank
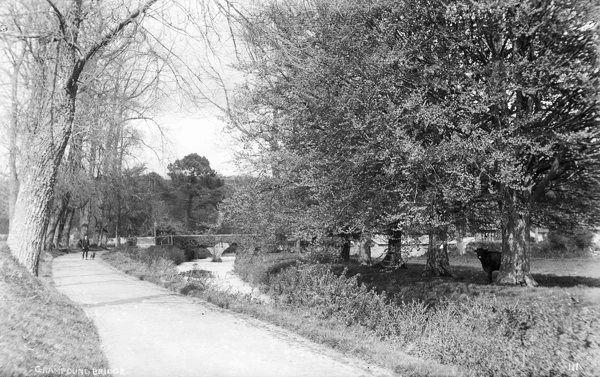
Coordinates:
(42,332)
(553,330)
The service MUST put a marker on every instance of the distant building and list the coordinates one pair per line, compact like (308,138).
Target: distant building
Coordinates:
(414,247)
(539,234)
(490,235)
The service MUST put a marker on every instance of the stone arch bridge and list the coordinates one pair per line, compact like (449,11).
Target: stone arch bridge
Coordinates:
(202,240)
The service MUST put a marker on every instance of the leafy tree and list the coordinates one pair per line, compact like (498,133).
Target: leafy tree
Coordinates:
(522,79)
(430,115)
(341,116)
(199,186)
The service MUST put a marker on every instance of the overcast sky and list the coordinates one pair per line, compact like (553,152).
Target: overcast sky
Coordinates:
(195,130)
(202,135)
(198,129)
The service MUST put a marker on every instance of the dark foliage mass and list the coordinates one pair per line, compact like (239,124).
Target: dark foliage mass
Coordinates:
(192,248)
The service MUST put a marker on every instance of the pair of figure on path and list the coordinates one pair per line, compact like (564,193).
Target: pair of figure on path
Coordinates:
(85,248)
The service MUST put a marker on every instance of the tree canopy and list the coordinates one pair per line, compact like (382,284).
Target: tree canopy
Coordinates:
(430,115)
(198,186)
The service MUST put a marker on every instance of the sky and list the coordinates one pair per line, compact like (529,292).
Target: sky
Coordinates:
(207,56)
(203,135)
(186,133)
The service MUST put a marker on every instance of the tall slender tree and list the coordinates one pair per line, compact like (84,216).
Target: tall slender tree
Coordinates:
(62,50)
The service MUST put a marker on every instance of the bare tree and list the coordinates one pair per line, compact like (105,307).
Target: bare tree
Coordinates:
(61,53)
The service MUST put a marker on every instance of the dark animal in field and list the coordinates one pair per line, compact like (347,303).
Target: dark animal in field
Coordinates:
(490,261)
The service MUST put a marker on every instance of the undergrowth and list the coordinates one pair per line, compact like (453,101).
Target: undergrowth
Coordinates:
(150,266)
(257,268)
(151,254)
(485,335)
(466,326)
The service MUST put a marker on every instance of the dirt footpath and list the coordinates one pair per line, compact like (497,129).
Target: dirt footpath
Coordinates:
(150,331)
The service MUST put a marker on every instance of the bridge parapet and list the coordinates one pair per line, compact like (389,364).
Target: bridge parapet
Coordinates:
(208,240)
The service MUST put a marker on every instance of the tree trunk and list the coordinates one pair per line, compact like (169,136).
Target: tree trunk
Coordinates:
(117,234)
(346,250)
(13,177)
(438,263)
(188,212)
(100,240)
(61,227)
(365,249)
(30,219)
(48,133)
(514,269)
(59,230)
(50,228)
(66,233)
(460,245)
(55,217)
(84,217)
(46,137)
(393,257)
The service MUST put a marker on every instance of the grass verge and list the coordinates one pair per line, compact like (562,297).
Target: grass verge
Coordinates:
(553,330)
(42,332)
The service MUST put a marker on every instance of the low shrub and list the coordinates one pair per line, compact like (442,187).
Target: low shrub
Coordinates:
(169,252)
(257,268)
(152,254)
(190,287)
(483,334)
(198,274)
(232,249)
(559,245)
(323,254)
(152,266)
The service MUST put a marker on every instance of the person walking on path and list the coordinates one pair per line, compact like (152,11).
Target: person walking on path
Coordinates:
(84,243)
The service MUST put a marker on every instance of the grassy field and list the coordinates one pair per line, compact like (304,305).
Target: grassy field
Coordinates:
(573,280)
(41,330)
